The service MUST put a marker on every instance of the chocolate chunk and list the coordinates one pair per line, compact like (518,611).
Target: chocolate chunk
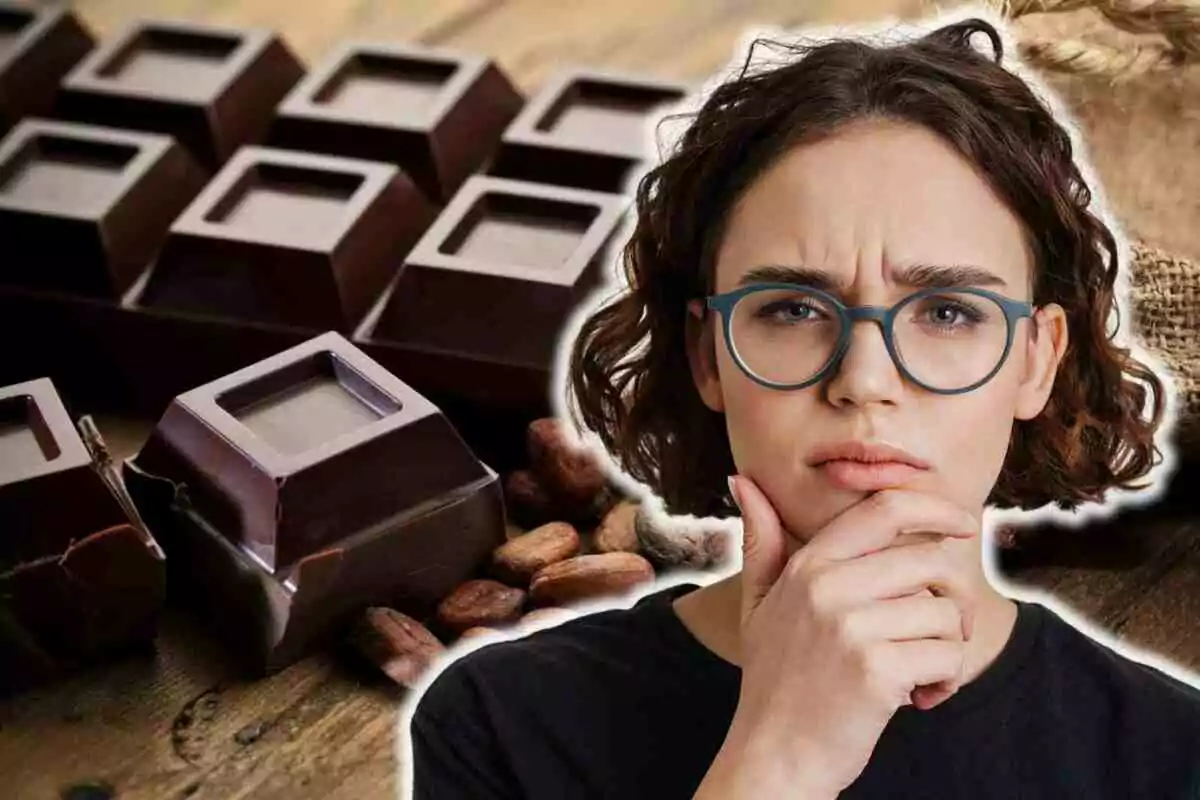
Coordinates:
(436,113)
(38,46)
(84,208)
(492,282)
(79,576)
(212,87)
(291,239)
(50,493)
(587,128)
(310,486)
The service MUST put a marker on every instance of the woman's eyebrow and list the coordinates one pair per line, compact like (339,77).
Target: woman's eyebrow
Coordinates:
(919,276)
(947,276)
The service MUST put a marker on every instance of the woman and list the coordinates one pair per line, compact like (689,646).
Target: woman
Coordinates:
(869,288)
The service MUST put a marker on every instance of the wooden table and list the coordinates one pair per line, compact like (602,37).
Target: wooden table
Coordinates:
(180,723)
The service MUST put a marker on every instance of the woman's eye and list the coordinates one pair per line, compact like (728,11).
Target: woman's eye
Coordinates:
(787,311)
(952,314)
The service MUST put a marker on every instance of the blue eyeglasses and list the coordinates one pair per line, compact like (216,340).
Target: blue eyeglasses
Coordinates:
(947,341)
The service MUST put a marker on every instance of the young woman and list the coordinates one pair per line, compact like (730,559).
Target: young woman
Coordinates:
(867,285)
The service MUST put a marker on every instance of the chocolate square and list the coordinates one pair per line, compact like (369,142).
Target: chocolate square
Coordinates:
(310,485)
(214,88)
(289,238)
(50,492)
(308,445)
(436,113)
(84,209)
(495,278)
(38,46)
(588,129)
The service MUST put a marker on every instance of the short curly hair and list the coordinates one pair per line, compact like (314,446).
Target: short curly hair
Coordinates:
(628,368)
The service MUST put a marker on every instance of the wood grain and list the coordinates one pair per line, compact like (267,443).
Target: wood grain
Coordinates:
(181,723)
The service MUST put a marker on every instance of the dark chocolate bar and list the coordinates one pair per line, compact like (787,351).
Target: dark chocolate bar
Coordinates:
(436,113)
(80,575)
(483,296)
(289,238)
(212,87)
(307,486)
(83,209)
(586,128)
(38,46)
(285,244)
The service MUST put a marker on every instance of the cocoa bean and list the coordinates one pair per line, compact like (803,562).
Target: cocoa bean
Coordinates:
(480,602)
(396,643)
(519,558)
(589,576)
(615,533)
(570,473)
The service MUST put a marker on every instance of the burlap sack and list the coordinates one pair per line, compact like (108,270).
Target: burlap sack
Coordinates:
(1166,300)
(1130,74)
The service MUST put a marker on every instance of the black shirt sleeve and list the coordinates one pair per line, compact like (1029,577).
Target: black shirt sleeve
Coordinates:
(454,749)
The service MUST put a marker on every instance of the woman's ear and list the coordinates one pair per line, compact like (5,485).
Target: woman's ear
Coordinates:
(699,335)
(1045,349)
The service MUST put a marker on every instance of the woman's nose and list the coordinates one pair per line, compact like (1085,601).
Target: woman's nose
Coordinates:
(866,374)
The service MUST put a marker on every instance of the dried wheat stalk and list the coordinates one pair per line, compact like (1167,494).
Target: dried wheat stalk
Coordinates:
(1176,21)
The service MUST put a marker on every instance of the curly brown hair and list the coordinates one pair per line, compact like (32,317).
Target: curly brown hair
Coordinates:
(629,370)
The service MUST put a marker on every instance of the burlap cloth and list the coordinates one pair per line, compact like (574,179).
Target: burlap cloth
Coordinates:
(1129,72)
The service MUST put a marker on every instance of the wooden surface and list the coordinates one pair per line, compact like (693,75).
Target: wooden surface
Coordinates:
(180,723)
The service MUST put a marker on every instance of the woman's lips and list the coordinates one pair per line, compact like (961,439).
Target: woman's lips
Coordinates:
(863,476)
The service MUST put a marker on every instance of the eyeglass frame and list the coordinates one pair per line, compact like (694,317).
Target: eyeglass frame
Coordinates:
(724,303)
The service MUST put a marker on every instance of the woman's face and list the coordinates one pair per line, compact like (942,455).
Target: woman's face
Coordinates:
(864,206)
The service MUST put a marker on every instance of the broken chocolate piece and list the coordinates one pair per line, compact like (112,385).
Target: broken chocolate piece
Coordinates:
(309,486)
(50,494)
(79,577)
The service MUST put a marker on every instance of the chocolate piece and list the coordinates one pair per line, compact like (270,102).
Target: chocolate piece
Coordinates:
(490,285)
(50,493)
(83,209)
(214,88)
(289,238)
(589,129)
(102,593)
(436,113)
(37,48)
(310,486)
(80,575)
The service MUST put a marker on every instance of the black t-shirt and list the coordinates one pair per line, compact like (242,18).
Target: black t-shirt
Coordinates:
(626,703)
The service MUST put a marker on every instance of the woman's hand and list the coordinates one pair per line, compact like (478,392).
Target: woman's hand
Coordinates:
(836,638)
